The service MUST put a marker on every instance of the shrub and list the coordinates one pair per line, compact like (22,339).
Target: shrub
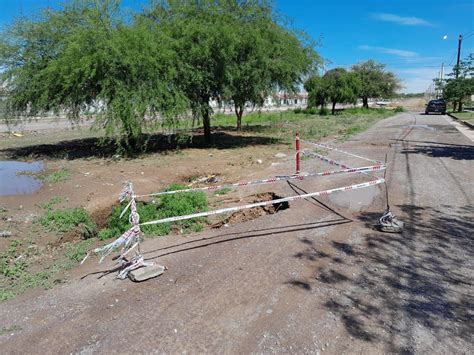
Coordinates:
(63,221)
(168,206)
(297,110)
(399,109)
(324,111)
(310,111)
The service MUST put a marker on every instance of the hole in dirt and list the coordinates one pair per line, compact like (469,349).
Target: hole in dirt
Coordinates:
(80,232)
(253,213)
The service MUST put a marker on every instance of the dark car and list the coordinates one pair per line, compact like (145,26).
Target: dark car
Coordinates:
(436,106)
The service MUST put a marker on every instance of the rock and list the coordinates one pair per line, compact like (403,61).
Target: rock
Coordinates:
(5,234)
(146,272)
(259,161)
(280,155)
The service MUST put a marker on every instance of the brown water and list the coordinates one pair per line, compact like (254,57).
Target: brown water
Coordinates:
(13,181)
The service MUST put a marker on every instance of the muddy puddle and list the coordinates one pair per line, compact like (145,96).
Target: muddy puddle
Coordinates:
(16,177)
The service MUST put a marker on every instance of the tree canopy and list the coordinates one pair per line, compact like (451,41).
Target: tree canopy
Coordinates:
(365,80)
(375,81)
(335,86)
(457,90)
(131,72)
(84,59)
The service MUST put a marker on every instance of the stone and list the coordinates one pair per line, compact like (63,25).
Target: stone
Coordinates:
(280,155)
(146,273)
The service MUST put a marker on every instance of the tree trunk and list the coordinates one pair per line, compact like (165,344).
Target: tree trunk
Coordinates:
(206,121)
(460,106)
(239,111)
(365,102)
(333,111)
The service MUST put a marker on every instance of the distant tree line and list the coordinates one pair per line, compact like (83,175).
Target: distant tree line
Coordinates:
(458,90)
(364,81)
(157,65)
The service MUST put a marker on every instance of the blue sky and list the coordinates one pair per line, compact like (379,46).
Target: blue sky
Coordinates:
(405,35)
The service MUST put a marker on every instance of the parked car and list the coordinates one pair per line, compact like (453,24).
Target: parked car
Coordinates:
(438,105)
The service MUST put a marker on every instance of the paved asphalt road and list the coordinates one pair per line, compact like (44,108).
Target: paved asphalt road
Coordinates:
(304,280)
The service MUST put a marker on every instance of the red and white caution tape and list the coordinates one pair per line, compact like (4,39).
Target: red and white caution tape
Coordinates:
(347,170)
(266,203)
(327,159)
(321,145)
(129,239)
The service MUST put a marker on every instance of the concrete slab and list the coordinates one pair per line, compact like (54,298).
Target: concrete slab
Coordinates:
(146,272)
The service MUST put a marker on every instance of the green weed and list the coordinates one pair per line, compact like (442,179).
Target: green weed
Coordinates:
(353,130)
(10,329)
(48,205)
(77,251)
(222,191)
(168,206)
(57,176)
(399,109)
(14,276)
(65,220)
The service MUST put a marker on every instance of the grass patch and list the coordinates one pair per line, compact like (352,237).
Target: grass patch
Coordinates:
(65,220)
(223,191)
(466,116)
(77,251)
(58,176)
(310,123)
(167,206)
(48,205)
(14,276)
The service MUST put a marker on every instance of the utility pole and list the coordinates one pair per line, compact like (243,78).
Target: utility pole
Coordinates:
(440,85)
(459,56)
(457,69)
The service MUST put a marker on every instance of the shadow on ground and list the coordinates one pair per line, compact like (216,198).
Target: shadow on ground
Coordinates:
(402,289)
(458,152)
(98,148)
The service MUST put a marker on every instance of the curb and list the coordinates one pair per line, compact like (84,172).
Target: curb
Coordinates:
(467,124)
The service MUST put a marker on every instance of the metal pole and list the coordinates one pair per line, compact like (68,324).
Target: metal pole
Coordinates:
(457,67)
(459,55)
(298,161)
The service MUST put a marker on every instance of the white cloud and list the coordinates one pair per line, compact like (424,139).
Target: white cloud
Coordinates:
(401,20)
(398,52)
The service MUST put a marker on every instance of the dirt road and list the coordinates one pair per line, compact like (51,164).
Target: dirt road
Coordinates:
(304,280)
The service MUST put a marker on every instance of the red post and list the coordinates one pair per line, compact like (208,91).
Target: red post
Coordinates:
(297,141)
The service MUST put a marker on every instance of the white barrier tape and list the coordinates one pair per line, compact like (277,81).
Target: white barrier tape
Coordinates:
(266,203)
(127,191)
(321,145)
(348,170)
(333,162)
(125,239)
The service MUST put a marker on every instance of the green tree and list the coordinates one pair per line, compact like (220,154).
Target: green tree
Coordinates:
(86,58)
(341,86)
(201,36)
(375,81)
(317,95)
(267,57)
(459,89)
(232,50)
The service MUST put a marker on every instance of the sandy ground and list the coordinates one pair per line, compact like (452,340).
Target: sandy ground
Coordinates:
(309,279)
